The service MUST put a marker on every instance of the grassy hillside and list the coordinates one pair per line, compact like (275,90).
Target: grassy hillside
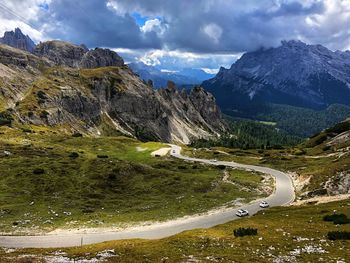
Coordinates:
(54,180)
(285,234)
(322,158)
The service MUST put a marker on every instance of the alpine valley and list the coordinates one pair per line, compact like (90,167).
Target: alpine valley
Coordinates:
(107,161)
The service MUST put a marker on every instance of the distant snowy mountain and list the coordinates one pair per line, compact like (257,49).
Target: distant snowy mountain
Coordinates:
(295,73)
(161,77)
(17,39)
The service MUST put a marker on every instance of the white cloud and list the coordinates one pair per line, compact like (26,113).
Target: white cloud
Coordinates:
(210,70)
(9,25)
(12,15)
(177,59)
(169,71)
(213,31)
(154,25)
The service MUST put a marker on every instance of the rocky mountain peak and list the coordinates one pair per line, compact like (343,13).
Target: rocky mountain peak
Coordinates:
(293,44)
(60,52)
(100,57)
(18,40)
(294,73)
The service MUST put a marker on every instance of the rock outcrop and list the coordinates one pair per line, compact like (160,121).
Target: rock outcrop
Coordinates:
(101,58)
(66,54)
(61,53)
(18,40)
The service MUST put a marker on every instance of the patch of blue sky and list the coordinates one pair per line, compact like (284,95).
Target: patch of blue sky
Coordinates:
(44,6)
(140,19)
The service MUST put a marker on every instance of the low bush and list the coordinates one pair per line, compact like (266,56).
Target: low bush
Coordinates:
(102,156)
(5,119)
(338,235)
(44,114)
(326,148)
(41,95)
(73,155)
(221,167)
(338,219)
(241,232)
(38,171)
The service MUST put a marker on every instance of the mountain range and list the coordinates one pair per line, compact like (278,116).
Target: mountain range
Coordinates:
(71,89)
(301,88)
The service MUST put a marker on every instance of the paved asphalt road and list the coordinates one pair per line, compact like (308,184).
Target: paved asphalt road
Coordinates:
(283,195)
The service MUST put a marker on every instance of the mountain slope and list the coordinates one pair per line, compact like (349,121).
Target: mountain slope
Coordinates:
(64,87)
(18,40)
(295,74)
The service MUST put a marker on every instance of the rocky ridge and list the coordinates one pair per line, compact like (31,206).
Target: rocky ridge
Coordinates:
(64,86)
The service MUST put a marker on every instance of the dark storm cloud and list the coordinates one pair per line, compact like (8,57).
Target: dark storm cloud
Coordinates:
(196,26)
(291,9)
(201,26)
(95,24)
(226,25)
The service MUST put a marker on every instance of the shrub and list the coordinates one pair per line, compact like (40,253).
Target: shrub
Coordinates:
(41,95)
(73,155)
(38,171)
(221,167)
(338,219)
(299,152)
(5,118)
(241,232)
(44,114)
(326,148)
(338,235)
(77,134)
(26,130)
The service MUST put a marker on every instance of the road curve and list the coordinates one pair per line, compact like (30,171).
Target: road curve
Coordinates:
(283,195)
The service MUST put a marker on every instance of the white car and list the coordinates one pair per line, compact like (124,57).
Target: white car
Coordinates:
(242,212)
(264,204)
(214,161)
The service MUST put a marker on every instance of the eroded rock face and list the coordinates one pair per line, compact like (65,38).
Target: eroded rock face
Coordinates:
(61,53)
(339,184)
(101,58)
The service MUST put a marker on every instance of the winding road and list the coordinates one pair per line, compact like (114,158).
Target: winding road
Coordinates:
(283,195)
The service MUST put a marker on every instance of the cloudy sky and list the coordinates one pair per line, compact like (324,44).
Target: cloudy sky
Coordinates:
(181,33)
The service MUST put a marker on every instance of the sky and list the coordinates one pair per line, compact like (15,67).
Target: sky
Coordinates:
(183,33)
